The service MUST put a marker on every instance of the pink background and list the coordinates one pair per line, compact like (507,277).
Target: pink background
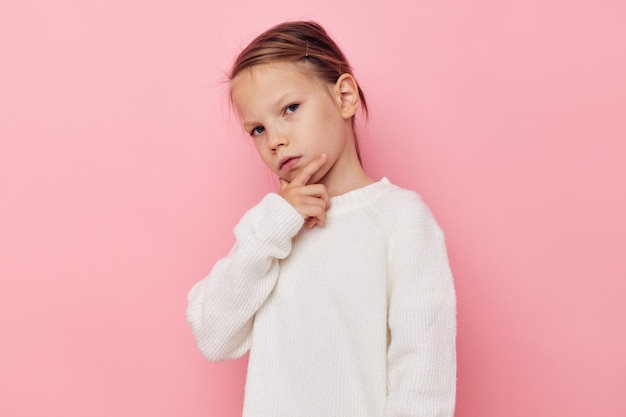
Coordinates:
(122,174)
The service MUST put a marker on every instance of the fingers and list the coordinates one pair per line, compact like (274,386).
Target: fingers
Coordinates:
(316,190)
(310,200)
(318,220)
(283,184)
(310,206)
(309,170)
(310,222)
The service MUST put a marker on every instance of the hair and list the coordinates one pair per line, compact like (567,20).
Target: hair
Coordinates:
(299,41)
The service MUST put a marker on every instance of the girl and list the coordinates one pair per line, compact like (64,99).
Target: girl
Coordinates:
(339,286)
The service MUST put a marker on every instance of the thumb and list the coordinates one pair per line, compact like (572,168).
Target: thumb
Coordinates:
(283,184)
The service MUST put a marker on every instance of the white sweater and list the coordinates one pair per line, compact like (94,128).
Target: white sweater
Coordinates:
(352,319)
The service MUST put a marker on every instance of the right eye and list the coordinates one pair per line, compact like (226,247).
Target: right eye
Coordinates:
(290,109)
(257,131)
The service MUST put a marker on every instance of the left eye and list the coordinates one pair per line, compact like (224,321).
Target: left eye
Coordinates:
(291,108)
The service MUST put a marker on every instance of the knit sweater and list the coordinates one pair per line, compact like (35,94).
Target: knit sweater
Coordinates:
(355,318)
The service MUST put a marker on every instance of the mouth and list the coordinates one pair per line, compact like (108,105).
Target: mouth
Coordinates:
(288,163)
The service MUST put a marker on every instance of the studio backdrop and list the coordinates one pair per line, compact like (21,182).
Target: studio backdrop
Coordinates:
(123,171)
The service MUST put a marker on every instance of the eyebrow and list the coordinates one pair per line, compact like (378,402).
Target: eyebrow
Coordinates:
(277,103)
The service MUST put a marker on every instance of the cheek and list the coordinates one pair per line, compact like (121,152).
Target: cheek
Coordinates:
(263,154)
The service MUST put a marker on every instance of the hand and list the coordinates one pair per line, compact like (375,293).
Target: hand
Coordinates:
(310,200)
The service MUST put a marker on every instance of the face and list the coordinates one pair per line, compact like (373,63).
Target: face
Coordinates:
(292,117)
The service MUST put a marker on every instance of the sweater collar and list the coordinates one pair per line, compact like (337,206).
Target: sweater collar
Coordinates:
(358,197)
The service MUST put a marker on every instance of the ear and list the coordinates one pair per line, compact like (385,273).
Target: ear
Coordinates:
(347,93)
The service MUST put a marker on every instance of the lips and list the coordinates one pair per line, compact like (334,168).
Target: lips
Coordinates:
(288,163)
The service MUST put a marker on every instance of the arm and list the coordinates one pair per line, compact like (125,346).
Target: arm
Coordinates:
(221,307)
(421,357)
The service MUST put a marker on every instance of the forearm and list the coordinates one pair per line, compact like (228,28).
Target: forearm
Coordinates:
(221,307)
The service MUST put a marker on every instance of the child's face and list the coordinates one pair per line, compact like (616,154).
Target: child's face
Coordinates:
(293,118)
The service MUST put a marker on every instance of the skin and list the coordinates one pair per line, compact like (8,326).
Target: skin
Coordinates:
(302,129)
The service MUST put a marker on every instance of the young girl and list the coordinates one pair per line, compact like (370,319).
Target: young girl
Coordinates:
(339,286)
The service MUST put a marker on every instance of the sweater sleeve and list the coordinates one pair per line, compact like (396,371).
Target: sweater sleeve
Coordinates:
(221,307)
(421,356)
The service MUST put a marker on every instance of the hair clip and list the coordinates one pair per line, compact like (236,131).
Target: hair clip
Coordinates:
(306,51)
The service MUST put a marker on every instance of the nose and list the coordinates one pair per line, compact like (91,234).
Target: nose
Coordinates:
(276,139)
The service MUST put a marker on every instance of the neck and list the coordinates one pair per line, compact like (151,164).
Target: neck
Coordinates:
(358,180)
(346,175)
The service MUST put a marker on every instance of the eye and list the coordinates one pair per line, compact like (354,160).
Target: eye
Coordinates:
(257,131)
(291,108)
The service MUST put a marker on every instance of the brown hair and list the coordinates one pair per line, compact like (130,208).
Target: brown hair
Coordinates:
(300,41)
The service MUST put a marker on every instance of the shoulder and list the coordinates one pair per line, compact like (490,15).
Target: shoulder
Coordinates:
(403,209)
